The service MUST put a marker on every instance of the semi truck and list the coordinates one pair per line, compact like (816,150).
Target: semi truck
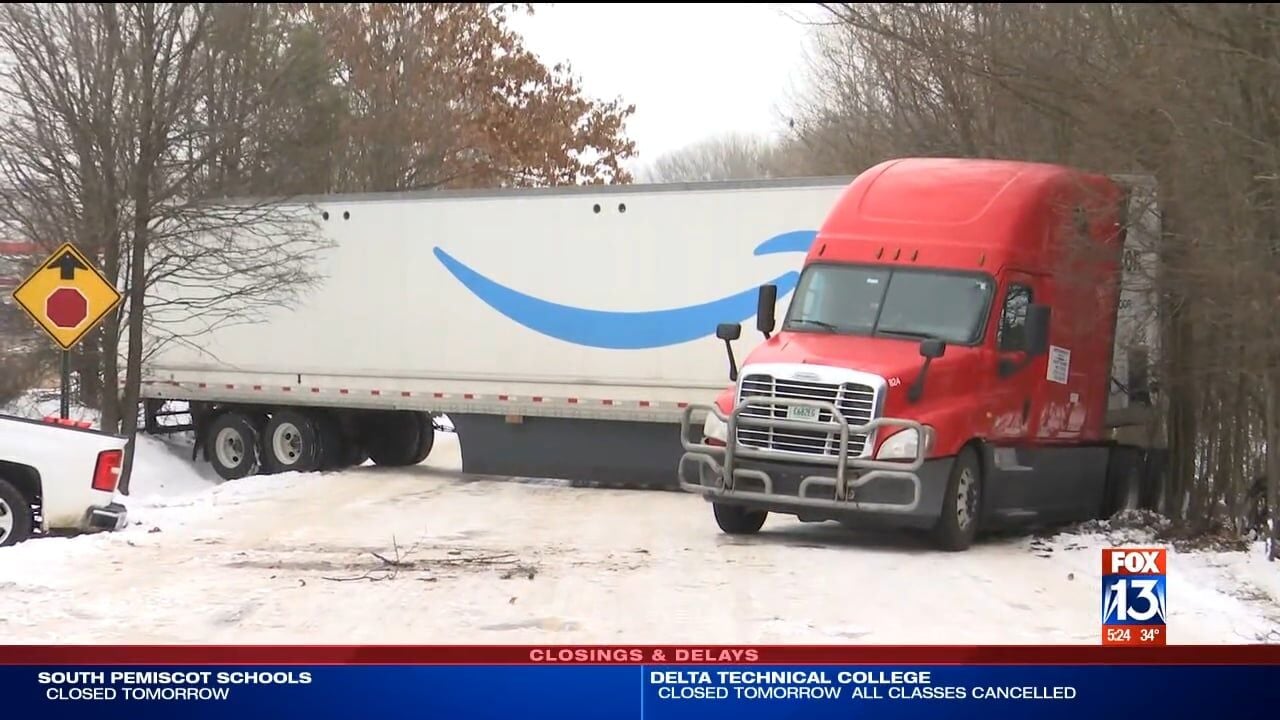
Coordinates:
(968,346)
(562,331)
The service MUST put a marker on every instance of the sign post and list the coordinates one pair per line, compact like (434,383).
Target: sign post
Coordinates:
(65,405)
(67,297)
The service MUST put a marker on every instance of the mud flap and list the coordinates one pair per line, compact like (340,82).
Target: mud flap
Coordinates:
(579,452)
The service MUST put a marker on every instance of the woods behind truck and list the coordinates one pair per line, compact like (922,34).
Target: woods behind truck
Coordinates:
(966,349)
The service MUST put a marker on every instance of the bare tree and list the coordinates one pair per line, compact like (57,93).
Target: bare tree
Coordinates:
(734,156)
(105,143)
(1184,93)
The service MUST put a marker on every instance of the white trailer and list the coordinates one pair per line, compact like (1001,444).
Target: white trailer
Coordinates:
(563,331)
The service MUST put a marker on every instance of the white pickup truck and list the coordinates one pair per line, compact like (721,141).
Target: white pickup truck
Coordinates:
(57,477)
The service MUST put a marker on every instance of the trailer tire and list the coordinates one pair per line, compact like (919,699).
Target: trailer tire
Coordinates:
(291,442)
(333,452)
(393,437)
(426,437)
(15,515)
(232,445)
(957,526)
(738,520)
(355,454)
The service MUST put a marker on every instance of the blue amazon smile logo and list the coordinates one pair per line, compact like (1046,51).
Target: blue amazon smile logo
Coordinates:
(627,330)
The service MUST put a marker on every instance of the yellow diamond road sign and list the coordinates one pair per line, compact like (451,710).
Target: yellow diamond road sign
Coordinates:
(67,296)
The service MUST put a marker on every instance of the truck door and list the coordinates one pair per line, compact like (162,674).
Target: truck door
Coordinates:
(1012,387)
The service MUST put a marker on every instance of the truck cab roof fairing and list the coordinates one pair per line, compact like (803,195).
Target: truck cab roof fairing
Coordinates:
(960,214)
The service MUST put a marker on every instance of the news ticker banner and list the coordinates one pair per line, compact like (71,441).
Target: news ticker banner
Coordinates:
(646,682)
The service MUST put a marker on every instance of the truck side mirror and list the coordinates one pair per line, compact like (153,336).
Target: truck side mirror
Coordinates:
(728,331)
(932,348)
(1037,330)
(764,309)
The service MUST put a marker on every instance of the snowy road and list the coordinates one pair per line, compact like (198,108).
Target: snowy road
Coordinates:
(291,559)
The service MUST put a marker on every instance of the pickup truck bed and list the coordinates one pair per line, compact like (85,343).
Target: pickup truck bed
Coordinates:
(57,477)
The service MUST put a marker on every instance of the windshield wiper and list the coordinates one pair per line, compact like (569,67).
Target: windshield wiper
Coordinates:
(825,325)
(906,333)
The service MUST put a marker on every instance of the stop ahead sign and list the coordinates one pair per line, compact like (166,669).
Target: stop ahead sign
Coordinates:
(67,296)
(66,307)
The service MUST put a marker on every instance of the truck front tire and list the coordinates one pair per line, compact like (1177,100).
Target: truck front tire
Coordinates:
(15,515)
(957,526)
(737,520)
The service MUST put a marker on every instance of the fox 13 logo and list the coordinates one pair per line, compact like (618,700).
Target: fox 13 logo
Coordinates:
(1133,596)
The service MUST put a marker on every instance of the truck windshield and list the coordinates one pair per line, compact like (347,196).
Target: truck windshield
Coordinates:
(890,301)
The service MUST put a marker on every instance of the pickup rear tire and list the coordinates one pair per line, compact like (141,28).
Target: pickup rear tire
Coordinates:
(15,515)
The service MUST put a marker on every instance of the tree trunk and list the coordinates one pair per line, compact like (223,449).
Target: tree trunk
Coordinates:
(142,177)
(1177,344)
(109,390)
(1273,463)
(111,203)
(85,364)
(1183,440)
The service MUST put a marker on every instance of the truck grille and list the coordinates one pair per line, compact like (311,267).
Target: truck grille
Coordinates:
(856,403)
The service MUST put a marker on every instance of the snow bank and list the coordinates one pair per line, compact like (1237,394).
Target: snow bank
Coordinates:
(164,470)
(1228,596)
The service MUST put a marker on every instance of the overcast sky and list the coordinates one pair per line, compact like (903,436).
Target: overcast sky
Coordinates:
(692,70)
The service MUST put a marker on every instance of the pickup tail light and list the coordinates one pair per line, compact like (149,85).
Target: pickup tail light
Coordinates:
(107,472)
(68,422)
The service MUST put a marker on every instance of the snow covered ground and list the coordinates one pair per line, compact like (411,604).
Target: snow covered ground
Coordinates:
(428,555)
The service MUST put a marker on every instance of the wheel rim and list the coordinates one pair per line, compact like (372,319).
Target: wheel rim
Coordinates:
(965,498)
(229,447)
(286,443)
(6,520)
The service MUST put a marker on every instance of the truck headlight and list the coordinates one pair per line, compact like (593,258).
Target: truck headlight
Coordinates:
(905,445)
(714,430)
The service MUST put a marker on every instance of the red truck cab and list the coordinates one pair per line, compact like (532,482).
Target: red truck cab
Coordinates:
(944,363)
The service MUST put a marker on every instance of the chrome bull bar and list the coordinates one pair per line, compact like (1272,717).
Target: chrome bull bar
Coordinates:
(722,460)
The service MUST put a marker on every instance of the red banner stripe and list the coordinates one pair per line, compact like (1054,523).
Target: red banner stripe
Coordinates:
(639,654)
